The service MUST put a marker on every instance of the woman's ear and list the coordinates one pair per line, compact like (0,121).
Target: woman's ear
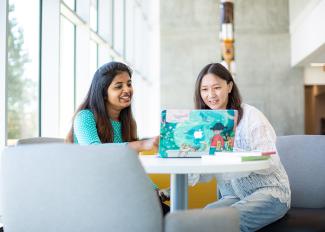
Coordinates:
(230,85)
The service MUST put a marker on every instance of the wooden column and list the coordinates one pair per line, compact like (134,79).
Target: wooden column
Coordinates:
(227,34)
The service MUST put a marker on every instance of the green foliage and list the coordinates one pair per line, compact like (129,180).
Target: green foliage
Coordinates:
(17,86)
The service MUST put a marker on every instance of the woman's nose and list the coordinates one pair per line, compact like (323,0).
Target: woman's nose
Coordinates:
(127,89)
(211,93)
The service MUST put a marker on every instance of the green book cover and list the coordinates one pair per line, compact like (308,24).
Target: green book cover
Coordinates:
(254,158)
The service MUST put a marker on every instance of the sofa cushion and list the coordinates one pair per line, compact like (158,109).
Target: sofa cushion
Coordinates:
(303,157)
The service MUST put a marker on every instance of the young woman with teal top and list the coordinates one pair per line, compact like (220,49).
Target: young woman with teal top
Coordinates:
(105,116)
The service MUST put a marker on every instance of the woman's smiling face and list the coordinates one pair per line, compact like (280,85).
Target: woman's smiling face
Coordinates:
(214,91)
(120,91)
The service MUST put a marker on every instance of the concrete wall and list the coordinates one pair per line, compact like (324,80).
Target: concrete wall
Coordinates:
(189,40)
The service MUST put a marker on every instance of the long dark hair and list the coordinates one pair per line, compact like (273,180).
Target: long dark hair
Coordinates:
(95,102)
(234,98)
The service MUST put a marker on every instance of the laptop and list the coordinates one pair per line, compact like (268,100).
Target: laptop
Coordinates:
(193,133)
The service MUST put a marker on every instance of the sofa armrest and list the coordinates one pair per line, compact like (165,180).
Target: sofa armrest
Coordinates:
(203,220)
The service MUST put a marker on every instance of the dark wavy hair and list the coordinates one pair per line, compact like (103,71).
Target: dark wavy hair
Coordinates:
(95,102)
(234,98)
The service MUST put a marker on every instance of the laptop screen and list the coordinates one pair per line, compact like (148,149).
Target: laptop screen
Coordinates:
(193,133)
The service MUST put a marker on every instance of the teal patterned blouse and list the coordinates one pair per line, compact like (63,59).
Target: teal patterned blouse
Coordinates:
(85,130)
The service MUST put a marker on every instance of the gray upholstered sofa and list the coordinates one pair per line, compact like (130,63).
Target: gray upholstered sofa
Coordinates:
(303,157)
(67,188)
(39,140)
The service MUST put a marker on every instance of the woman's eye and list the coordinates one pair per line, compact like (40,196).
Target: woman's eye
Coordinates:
(204,89)
(129,84)
(118,86)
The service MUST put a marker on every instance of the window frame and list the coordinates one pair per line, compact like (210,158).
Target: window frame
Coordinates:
(3,71)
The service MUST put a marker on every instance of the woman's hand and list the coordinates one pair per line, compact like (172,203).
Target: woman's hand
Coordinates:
(145,144)
(164,194)
(150,144)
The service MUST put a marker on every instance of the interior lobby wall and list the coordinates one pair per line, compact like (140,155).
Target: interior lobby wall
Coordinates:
(190,39)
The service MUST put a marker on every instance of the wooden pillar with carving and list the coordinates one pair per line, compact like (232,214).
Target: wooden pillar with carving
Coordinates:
(227,34)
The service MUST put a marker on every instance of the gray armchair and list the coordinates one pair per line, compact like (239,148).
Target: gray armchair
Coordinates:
(67,188)
(303,157)
(38,140)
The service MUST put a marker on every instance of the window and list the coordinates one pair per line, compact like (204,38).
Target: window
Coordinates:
(67,74)
(129,31)
(71,4)
(77,36)
(93,15)
(105,20)
(93,57)
(23,70)
(118,33)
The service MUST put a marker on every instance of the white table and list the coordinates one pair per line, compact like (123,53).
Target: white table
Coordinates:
(180,167)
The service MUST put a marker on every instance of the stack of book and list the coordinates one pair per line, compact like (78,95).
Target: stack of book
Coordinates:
(237,157)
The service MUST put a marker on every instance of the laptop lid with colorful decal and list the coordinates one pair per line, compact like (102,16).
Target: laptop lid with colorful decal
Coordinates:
(193,133)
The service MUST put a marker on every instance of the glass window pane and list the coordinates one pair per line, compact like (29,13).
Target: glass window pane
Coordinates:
(93,57)
(23,69)
(105,19)
(93,15)
(103,55)
(67,62)
(138,38)
(118,33)
(129,31)
(70,3)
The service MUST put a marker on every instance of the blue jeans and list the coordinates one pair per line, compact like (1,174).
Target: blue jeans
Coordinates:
(256,210)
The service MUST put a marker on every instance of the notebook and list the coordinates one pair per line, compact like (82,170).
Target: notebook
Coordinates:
(193,133)
(237,157)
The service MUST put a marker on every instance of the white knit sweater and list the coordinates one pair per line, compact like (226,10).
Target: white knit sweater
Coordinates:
(254,133)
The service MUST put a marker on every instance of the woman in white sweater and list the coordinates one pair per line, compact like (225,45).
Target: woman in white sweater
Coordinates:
(261,197)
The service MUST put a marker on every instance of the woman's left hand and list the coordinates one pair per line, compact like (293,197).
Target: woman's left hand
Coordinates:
(145,144)
(150,144)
